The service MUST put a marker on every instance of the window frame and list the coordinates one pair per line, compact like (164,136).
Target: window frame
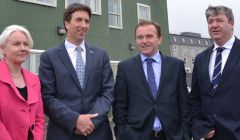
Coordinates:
(199,42)
(191,40)
(183,40)
(97,10)
(206,42)
(53,4)
(118,15)
(174,39)
(139,5)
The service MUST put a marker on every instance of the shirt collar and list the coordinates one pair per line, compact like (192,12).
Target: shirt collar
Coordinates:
(156,57)
(227,45)
(72,47)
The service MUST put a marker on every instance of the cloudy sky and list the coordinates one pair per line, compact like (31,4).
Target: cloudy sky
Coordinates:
(189,15)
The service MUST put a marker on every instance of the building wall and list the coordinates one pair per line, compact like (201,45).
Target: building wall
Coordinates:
(42,21)
(187,53)
(120,39)
(187,46)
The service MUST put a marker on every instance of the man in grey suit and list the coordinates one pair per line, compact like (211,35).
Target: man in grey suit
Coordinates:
(151,92)
(77,83)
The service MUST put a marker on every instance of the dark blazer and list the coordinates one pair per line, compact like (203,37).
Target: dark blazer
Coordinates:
(134,108)
(64,99)
(219,110)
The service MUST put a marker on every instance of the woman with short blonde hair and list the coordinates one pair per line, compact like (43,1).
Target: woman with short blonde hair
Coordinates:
(21,107)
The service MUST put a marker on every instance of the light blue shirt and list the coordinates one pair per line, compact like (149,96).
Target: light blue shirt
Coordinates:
(157,72)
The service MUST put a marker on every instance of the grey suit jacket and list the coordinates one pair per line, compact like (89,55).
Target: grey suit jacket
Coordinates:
(134,107)
(64,99)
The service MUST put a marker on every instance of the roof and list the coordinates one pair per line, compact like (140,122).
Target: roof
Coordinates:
(190,40)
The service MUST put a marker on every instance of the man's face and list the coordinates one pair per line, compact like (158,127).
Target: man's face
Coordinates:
(147,40)
(77,27)
(220,29)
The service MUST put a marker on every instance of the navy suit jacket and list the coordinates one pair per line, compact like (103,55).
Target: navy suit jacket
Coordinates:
(64,99)
(218,110)
(134,108)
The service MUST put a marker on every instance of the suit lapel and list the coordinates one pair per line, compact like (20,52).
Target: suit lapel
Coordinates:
(62,53)
(142,76)
(89,61)
(164,68)
(233,58)
(205,68)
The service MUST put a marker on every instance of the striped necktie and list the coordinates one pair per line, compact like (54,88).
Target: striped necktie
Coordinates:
(217,69)
(80,66)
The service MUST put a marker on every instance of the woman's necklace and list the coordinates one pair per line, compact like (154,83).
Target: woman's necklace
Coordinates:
(15,76)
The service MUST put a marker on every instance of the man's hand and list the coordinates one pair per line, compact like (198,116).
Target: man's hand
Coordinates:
(84,124)
(210,134)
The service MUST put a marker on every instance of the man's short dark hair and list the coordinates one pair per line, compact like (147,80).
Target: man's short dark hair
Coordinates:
(146,22)
(67,15)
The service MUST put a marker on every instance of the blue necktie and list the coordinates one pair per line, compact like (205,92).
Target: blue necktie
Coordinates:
(217,69)
(151,77)
(80,66)
(153,87)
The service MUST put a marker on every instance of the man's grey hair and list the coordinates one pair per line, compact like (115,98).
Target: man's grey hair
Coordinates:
(216,10)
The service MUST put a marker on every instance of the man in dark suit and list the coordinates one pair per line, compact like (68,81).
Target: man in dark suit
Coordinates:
(215,95)
(151,92)
(77,83)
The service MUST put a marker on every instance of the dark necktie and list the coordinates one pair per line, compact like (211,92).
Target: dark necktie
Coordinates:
(80,67)
(151,77)
(217,69)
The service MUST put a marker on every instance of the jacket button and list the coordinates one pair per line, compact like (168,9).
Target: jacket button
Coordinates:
(32,127)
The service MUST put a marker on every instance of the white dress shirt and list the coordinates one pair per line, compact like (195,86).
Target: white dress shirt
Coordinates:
(72,52)
(228,46)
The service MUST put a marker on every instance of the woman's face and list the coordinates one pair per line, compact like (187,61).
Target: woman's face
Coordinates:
(16,49)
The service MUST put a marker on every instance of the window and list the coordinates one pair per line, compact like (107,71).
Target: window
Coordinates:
(185,61)
(143,12)
(115,13)
(184,55)
(199,42)
(174,39)
(33,61)
(175,49)
(52,3)
(183,40)
(114,65)
(206,42)
(191,41)
(95,5)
